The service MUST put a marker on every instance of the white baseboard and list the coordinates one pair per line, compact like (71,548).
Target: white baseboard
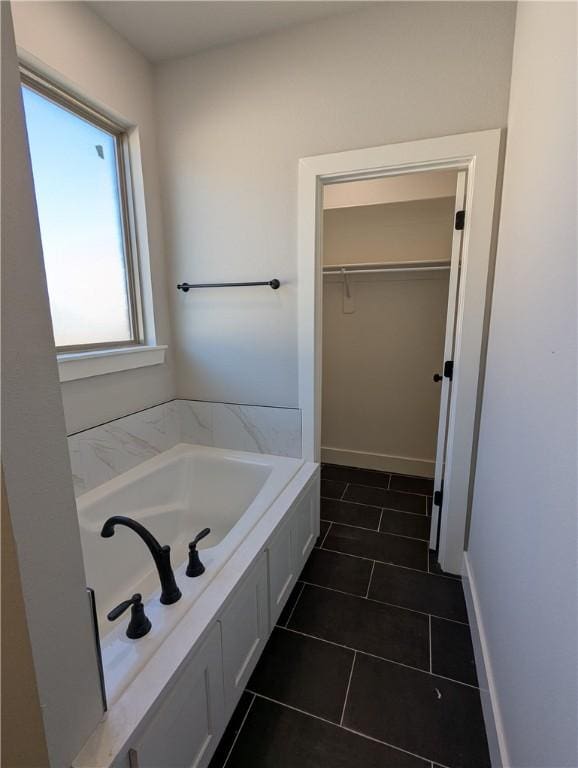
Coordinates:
(381,461)
(490,705)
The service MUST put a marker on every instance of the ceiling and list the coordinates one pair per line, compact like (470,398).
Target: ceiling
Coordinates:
(166,30)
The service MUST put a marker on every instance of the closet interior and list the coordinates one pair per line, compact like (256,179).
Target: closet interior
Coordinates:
(387,247)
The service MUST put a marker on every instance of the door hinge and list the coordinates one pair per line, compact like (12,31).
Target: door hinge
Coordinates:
(449,369)
(460,219)
(438,498)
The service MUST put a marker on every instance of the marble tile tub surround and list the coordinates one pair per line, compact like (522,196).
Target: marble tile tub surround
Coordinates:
(101,453)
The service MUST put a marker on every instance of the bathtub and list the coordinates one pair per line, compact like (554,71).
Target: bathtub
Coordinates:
(175,495)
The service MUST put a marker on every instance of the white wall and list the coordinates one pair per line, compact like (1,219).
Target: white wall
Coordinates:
(70,42)
(233,123)
(522,547)
(35,457)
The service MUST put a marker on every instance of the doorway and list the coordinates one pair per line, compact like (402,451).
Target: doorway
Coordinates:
(473,158)
(389,301)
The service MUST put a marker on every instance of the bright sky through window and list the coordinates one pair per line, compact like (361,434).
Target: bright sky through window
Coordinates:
(77,193)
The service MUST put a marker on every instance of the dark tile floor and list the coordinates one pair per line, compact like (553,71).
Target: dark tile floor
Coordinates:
(371,663)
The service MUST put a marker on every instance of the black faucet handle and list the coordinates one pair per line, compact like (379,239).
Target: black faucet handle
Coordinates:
(121,607)
(139,622)
(198,537)
(195,567)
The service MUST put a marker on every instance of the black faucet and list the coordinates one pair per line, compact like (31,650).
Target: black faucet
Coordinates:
(170,593)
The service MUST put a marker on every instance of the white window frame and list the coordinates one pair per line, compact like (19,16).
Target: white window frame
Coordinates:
(84,361)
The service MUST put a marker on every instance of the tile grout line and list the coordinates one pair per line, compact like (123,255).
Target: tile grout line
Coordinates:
(240,729)
(399,490)
(347,554)
(392,509)
(380,519)
(295,604)
(382,472)
(348,686)
(389,562)
(390,472)
(382,533)
(344,492)
(382,602)
(327,533)
(379,487)
(369,582)
(336,725)
(349,525)
(375,506)
(375,530)
(429,642)
(394,565)
(380,658)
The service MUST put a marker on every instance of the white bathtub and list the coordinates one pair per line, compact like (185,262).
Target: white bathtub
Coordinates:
(174,495)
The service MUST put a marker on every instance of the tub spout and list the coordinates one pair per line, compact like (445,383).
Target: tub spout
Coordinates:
(170,593)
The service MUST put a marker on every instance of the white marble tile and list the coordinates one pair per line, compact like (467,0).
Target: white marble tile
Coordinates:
(109,450)
(196,421)
(173,420)
(258,428)
(101,457)
(97,455)
(155,429)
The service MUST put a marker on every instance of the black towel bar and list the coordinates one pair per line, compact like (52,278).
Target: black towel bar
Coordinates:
(274,284)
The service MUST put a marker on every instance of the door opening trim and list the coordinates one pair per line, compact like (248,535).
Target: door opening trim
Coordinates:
(478,154)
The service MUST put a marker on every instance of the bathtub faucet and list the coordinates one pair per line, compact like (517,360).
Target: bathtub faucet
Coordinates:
(170,593)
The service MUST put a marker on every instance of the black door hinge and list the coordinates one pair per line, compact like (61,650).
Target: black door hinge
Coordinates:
(438,498)
(460,219)
(449,369)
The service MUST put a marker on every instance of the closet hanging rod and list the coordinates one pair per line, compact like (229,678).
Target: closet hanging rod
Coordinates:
(350,271)
(274,284)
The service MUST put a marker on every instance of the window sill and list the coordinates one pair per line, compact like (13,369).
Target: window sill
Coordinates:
(83,365)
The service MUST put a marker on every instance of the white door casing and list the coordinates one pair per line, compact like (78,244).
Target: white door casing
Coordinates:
(477,154)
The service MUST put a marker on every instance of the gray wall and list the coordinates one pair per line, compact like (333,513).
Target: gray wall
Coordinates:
(522,547)
(233,123)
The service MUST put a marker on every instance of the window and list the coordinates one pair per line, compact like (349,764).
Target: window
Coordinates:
(81,190)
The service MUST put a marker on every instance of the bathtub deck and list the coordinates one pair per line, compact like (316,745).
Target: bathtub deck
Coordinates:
(371,663)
